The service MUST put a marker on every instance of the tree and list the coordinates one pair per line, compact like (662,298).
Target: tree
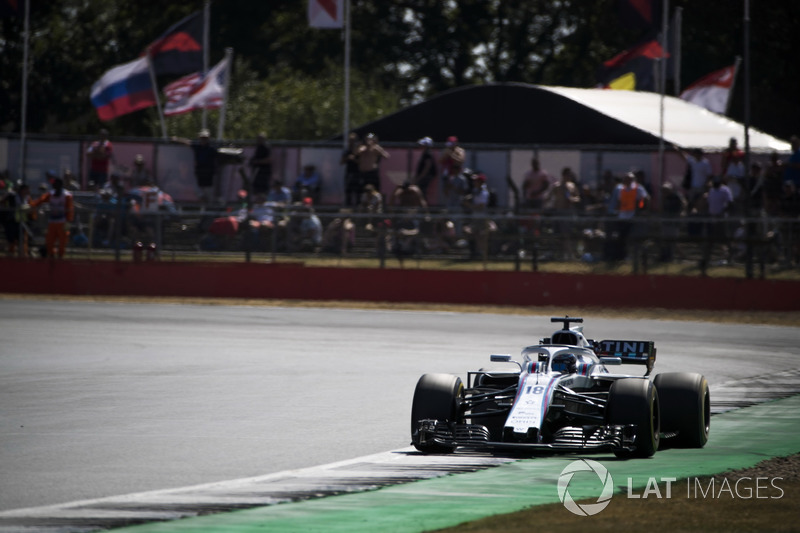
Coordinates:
(405,50)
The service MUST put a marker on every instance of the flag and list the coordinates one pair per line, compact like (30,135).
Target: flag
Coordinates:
(196,91)
(712,91)
(326,13)
(632,69)
(179,49)
(123,89)
(640,14)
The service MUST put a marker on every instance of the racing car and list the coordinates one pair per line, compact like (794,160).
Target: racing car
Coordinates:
(562,397)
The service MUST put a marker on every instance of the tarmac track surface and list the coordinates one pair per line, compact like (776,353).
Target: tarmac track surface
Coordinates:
(108,399)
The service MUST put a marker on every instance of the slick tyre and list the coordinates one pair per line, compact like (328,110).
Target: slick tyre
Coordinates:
(437,397)
(685,408)
(636,401)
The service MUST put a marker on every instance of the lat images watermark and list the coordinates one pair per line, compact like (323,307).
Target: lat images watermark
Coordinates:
(585,465)
(743,488)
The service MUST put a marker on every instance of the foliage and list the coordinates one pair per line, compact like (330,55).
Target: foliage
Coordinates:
(403,51)
(290,105)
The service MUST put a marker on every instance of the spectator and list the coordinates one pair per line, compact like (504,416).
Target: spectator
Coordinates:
(60,215)
(304,229)
(477,204)
(753,186)
(371,203)
(338,236)
(16,219)
(114,186)
(673,205)
(565,193)
(566,197)
(139,174)
(733,170)
(101,155)
(261,165)
(148,202)
(279,193)
(370,155)
(720,203)
(792,172)
(205,163)
(535,186)
(628,199)
(773,184)
(720,198)
(408,196)
(698,174)
(353,187)
(110,215)
(426,167)
(452,159)
(308,184)
(456,187)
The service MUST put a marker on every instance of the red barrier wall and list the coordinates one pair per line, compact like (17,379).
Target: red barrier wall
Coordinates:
(294,281)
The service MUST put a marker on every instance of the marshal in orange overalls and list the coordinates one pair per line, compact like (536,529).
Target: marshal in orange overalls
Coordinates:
(61,213)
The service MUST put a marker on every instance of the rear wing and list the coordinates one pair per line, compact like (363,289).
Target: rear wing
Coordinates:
(628,352)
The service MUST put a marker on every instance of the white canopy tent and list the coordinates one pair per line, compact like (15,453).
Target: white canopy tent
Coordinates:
(685,125)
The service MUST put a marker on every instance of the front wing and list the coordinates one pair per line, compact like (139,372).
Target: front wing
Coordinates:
(593,438)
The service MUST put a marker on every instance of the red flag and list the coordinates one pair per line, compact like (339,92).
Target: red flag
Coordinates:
(326,13)
(633,68)
(713,90)
(179,49)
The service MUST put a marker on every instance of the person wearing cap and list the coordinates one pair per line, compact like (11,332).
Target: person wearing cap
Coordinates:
(61,213)
(308,184)
(139,174)
(100,154)
(426,166)
(370,155)
(205,163)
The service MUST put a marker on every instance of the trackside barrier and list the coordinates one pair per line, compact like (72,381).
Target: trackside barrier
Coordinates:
(295,281)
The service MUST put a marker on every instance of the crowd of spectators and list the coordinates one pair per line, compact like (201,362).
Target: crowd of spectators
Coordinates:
(708,204)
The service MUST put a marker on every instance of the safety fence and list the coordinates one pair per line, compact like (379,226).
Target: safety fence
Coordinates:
(493,239)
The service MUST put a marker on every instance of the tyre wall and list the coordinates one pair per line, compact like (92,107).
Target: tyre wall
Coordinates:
(294,281)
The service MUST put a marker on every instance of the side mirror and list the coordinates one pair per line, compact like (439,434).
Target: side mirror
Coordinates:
(500,358)
(611,360)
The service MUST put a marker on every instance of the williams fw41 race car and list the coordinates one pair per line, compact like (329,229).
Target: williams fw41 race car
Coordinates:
(562,397)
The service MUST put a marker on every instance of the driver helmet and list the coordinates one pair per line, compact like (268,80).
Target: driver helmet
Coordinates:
(566,363)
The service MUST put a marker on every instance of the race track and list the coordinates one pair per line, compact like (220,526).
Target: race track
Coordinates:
(103,399)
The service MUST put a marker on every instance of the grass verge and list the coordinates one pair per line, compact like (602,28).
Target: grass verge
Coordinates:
(761,502)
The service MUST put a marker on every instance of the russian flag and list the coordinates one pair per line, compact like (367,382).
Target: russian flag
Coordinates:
(123,89)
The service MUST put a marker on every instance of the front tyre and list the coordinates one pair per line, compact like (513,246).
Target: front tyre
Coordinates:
(685,407)
(636,401)
(437,397)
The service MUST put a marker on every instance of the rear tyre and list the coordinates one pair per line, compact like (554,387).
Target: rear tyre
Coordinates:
(685,407)
(437,397)
(635,401)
